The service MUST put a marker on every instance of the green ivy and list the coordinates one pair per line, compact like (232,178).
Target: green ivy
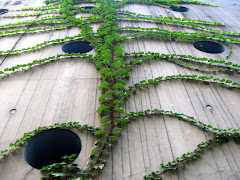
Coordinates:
(115,67)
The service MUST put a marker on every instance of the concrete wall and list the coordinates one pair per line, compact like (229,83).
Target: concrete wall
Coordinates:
(66,91)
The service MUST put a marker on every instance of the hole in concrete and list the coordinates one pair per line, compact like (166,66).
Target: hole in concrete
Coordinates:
(49,146)
(179,8)
(12,111)
(88,7)
(209,107)
(77,47)
(3,11)
(209,47)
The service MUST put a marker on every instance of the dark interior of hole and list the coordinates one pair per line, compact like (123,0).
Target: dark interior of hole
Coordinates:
(179,9)
(209,47)
(3,11)
(88,7)
(77,47)
(49,146)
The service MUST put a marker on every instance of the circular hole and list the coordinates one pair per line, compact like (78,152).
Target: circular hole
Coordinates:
(209,47)
(3,11)
(77,47)
(49,146)
(88,7)
(179,8)
(209,107)
(12,111)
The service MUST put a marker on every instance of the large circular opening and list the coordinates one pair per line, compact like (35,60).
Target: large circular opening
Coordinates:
(49,146)
(209,47)
(179,8)
(3,11)
(77,47)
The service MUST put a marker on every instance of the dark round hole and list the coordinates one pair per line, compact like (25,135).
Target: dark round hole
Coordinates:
(209,47)
(179,8)
(209,107)
(88,7)
(3,11)
(49,146)
(13,111)
(77,47)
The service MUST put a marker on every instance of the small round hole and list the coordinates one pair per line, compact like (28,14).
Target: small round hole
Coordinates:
(3,11)
(209,107)
(209,47)
(179,8)
(12,111)
(77,47)
(49,146)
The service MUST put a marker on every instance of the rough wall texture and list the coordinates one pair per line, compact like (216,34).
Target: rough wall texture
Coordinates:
(66,91)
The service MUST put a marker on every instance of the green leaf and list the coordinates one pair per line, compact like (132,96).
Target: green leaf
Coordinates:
(124,120)
(120,103)
(117,129)
(104,70)
(117,85)
(114,137)
(58,174)
(103,159)
(122,71)
(104,118)
(121,110)
(99,132)
(93,154)
(104,124)
(101,108)
(103,85)
(98,166)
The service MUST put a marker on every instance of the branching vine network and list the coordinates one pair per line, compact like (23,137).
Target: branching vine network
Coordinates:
(115,66)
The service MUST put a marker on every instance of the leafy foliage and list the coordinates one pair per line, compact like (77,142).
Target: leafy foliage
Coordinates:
(114,67)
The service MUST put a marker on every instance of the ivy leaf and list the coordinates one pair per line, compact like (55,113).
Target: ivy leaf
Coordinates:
(104,70)
(104,124)
(99,132)
(122,71)
(116,62)
(117,129)
(150,81)
(104,118)
(121,81)
(101,108)
(58,174)
(100,166)
(123,120)
(93,154)
(121,110)
(117,85)
(103,159)
(114,137)
(108,40)
(103,85)
(120,103)
(89,161)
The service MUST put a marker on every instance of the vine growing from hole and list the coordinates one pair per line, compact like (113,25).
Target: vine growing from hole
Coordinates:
(115,66)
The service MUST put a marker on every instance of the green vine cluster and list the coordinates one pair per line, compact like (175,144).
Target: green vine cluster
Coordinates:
(115,67)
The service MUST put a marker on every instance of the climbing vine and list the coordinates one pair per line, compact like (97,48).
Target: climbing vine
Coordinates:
(115,66)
